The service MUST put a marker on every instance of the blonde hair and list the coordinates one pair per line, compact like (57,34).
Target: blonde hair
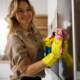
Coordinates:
(11,18)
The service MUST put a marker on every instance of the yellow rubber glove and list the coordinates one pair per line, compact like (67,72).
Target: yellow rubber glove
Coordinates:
(47,44)
(51,58)
(48,41)
(66,56)
(57,46)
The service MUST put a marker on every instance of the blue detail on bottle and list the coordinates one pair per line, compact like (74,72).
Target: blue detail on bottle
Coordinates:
(47,50)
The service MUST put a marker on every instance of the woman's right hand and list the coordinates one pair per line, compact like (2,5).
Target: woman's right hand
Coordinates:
(55,54)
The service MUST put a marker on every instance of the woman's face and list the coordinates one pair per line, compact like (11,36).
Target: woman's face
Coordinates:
(24,14)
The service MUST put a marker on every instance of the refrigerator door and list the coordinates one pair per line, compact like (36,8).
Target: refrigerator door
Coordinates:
(76,37)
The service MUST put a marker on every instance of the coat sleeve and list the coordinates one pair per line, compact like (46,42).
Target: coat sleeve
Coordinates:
(20,57)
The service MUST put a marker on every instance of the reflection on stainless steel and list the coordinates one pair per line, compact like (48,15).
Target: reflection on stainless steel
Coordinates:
(73,34)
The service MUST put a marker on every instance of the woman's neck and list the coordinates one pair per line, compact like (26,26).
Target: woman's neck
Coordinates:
(26,27)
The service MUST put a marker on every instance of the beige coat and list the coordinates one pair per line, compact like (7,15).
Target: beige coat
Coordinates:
(22,47)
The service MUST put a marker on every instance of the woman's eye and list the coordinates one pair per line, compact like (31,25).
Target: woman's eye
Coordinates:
(23,11)
(20,11)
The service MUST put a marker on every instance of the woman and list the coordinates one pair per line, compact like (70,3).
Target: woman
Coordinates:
(25,45)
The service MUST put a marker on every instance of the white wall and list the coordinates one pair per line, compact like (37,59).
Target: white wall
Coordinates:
(41,6)
(52,15)
(52,9)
